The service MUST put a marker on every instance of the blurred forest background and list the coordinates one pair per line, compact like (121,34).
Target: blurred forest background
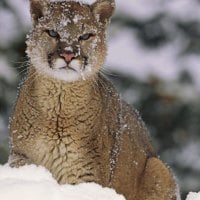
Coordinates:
(153,59)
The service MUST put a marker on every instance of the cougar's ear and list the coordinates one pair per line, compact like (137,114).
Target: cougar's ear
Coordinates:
(38,8)
(103,10)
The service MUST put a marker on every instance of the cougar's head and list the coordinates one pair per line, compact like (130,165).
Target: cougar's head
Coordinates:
(68,40)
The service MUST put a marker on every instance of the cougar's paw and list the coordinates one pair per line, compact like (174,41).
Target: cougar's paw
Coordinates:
(16,160)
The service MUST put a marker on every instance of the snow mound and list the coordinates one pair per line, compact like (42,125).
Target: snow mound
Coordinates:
(36,183)
(193,196)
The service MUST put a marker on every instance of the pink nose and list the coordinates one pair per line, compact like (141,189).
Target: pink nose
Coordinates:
(68,56)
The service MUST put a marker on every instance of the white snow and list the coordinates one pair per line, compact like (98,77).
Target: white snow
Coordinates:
(193,196)
(36,183)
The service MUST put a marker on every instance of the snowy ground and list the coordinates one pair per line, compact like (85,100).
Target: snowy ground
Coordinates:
(36,183)
(193,196)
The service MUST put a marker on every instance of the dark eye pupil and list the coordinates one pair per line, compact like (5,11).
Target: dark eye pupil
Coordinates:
(52,33)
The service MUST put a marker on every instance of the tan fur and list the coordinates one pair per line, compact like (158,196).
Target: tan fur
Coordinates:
(80,130)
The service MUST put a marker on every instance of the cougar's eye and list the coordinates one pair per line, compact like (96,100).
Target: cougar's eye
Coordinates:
(86,36)
(52,33)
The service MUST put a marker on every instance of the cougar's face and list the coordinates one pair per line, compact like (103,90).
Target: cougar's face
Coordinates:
(68,43)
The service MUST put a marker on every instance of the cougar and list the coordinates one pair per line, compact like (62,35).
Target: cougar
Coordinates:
(70,119)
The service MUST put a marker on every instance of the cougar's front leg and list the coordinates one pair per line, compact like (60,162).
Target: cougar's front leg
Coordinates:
(157,182)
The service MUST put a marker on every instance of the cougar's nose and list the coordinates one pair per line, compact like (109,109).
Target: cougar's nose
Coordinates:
(68,55)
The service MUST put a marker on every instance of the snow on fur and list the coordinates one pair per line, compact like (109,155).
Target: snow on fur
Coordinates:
(36,183)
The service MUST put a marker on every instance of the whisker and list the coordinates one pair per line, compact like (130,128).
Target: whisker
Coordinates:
(94,84)
(108,72)
(102,84)
(34,76)
(22,72)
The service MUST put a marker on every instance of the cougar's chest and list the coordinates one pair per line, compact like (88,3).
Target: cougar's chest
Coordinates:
(69,160)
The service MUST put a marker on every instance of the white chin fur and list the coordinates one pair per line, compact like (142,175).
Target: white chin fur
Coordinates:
(59,63)
(65,74)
